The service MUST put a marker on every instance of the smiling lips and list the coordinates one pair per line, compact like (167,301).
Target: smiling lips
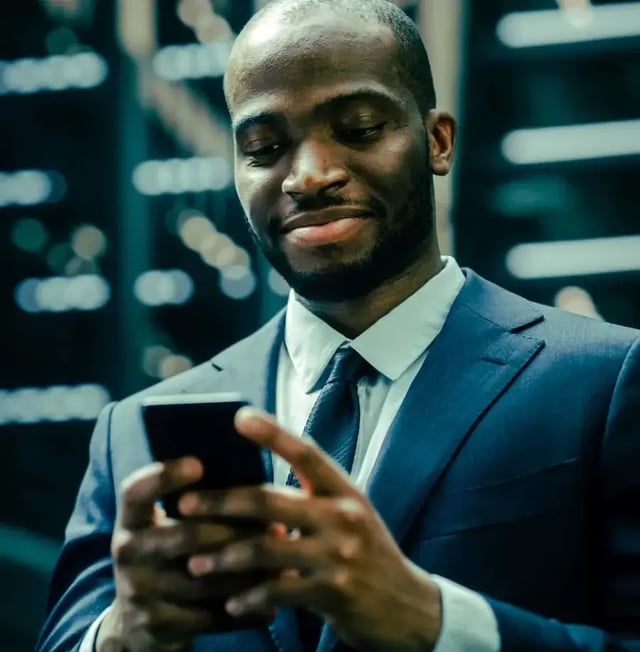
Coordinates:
(327,226)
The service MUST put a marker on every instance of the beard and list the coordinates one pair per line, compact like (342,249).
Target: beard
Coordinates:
(400,244)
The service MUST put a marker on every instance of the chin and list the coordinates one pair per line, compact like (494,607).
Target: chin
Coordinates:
(335,273)
(334,283)
(327,290)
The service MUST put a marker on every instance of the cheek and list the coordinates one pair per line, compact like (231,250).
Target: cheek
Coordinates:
(252,190)
(391,169)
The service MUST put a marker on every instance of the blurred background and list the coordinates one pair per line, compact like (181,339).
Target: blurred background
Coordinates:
(123,253)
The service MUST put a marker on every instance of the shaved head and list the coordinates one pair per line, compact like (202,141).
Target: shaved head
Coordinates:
(411,62)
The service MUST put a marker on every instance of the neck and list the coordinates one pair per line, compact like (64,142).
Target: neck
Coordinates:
(354,316)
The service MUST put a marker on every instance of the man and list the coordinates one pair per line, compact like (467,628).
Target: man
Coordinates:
(494,497)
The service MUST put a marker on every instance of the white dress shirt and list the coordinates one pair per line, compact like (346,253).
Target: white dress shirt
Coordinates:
(395,346)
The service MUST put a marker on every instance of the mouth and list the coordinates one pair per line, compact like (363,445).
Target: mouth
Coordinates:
(326,227)
(325,217)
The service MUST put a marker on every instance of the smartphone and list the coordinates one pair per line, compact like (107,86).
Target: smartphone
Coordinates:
(202,426)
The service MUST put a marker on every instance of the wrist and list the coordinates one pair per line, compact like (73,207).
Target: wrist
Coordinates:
(109,635)
(419,627)
(429,623)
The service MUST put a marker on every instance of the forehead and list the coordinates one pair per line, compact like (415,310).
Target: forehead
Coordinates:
(304,64)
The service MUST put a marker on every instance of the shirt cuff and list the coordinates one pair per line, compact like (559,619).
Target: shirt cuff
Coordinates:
(468,621)
(88,643)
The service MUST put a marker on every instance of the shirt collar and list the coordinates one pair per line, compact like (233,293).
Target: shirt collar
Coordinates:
(412,326)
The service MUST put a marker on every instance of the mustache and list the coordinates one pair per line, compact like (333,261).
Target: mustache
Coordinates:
(313,204)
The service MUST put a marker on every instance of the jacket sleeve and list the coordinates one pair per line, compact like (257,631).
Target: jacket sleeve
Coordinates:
(619,509)
(82,585)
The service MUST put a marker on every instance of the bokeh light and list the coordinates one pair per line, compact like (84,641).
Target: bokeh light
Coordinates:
(164,287)
(56,403)
(178,176)
(56,73)
(85,292)
(88,242)
(29,234)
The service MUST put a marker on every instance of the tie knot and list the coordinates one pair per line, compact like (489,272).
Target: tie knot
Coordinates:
(347,366)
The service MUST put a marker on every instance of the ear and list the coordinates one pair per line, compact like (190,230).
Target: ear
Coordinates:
(441,128)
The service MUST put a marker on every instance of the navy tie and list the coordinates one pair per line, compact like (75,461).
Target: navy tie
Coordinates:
(334,423)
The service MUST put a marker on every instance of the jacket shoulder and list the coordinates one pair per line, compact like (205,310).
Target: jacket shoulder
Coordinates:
(560,329)
(202,378)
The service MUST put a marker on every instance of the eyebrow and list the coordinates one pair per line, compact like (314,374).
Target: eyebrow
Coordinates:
(269,117)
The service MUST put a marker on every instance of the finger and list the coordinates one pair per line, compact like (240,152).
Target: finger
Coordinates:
(266,503)
(303,553)
(306,458)
(278,530)
(159,516)
(143,488)
(168,622)
(319,592)
(168,542)
(145,585)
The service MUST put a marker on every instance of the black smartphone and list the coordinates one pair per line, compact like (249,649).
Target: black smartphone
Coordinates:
(202,426)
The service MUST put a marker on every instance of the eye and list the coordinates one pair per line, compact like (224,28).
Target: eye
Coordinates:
(361,134)
(259,154)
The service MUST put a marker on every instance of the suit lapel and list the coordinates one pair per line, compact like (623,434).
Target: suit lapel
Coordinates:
(250,368)
(468,367)
(251,365)
(471,363)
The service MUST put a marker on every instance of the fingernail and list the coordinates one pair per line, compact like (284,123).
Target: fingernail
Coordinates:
(250,600)
(249,416)
(188,504)
(256,597)
(236,555)
(190,467)
(234,607)
(200,565)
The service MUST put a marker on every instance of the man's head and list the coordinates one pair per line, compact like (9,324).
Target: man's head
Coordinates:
(336,142)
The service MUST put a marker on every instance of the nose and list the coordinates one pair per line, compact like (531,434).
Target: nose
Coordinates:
(315,169)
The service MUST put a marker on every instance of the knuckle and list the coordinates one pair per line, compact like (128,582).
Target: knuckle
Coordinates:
(341,579)
(123,547)
(146,616)
(251,551)
(129,490)
(176,542)
(148,478)
(349,549)
(351,513)
(338,582)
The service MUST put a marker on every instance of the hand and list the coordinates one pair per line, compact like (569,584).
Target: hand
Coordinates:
(350,571)
(158,604)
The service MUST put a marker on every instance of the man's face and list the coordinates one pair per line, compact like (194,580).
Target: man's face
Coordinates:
(331,157)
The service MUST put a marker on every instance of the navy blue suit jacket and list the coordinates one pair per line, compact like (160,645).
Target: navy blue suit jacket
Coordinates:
(513,468)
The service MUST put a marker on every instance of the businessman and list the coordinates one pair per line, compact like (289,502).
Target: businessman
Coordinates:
(452,467)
